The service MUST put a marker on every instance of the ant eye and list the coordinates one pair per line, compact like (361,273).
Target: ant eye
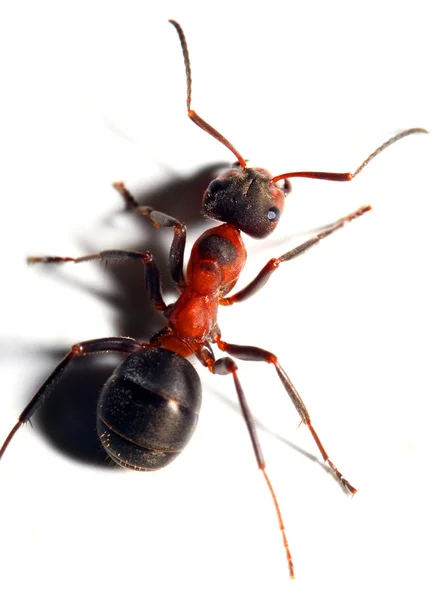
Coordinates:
(273,214)
(215,186)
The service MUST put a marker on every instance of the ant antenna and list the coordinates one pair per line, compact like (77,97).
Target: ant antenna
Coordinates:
(350,176)
(191,113)
(220,138)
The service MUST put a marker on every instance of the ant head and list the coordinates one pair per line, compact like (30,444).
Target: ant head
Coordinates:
(248,199)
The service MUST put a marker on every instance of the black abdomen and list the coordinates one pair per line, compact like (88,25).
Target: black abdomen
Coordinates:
(148,409)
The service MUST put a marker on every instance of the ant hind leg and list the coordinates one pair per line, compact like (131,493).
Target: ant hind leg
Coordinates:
(109,344)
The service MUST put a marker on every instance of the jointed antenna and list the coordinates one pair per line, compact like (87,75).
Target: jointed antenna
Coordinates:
(220,138)
(191,113)
(350,176)
(385,145)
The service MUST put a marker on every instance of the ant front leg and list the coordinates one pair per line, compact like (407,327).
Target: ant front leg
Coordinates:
(110,344)
(152,274)
(253,353)
(159,219)
(263,276)
(226,366)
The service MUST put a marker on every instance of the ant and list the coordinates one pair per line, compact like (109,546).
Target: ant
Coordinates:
(148,409)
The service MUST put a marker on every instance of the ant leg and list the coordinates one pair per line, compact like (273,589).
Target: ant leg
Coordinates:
(152,275)
(253,353)
(159,219)
(263,276)
(225,366)
(109,344)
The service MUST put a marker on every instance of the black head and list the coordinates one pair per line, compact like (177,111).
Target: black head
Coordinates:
(246,198)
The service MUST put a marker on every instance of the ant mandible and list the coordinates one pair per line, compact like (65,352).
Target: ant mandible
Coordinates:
(148,409)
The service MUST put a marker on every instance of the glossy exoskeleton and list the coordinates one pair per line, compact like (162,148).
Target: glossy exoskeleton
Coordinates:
(148,408)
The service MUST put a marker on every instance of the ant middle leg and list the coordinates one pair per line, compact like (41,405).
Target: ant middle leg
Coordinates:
(252,353)
(159,219)
(109,344)
(152,274)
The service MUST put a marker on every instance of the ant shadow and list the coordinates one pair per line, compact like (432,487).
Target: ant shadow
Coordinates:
(67,417)
(261,427)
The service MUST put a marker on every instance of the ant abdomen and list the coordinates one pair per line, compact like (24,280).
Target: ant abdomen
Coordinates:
(148,409)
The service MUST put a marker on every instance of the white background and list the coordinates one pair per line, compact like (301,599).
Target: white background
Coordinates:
(94,92)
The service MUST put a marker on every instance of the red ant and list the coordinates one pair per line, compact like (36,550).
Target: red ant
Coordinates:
(148,408)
